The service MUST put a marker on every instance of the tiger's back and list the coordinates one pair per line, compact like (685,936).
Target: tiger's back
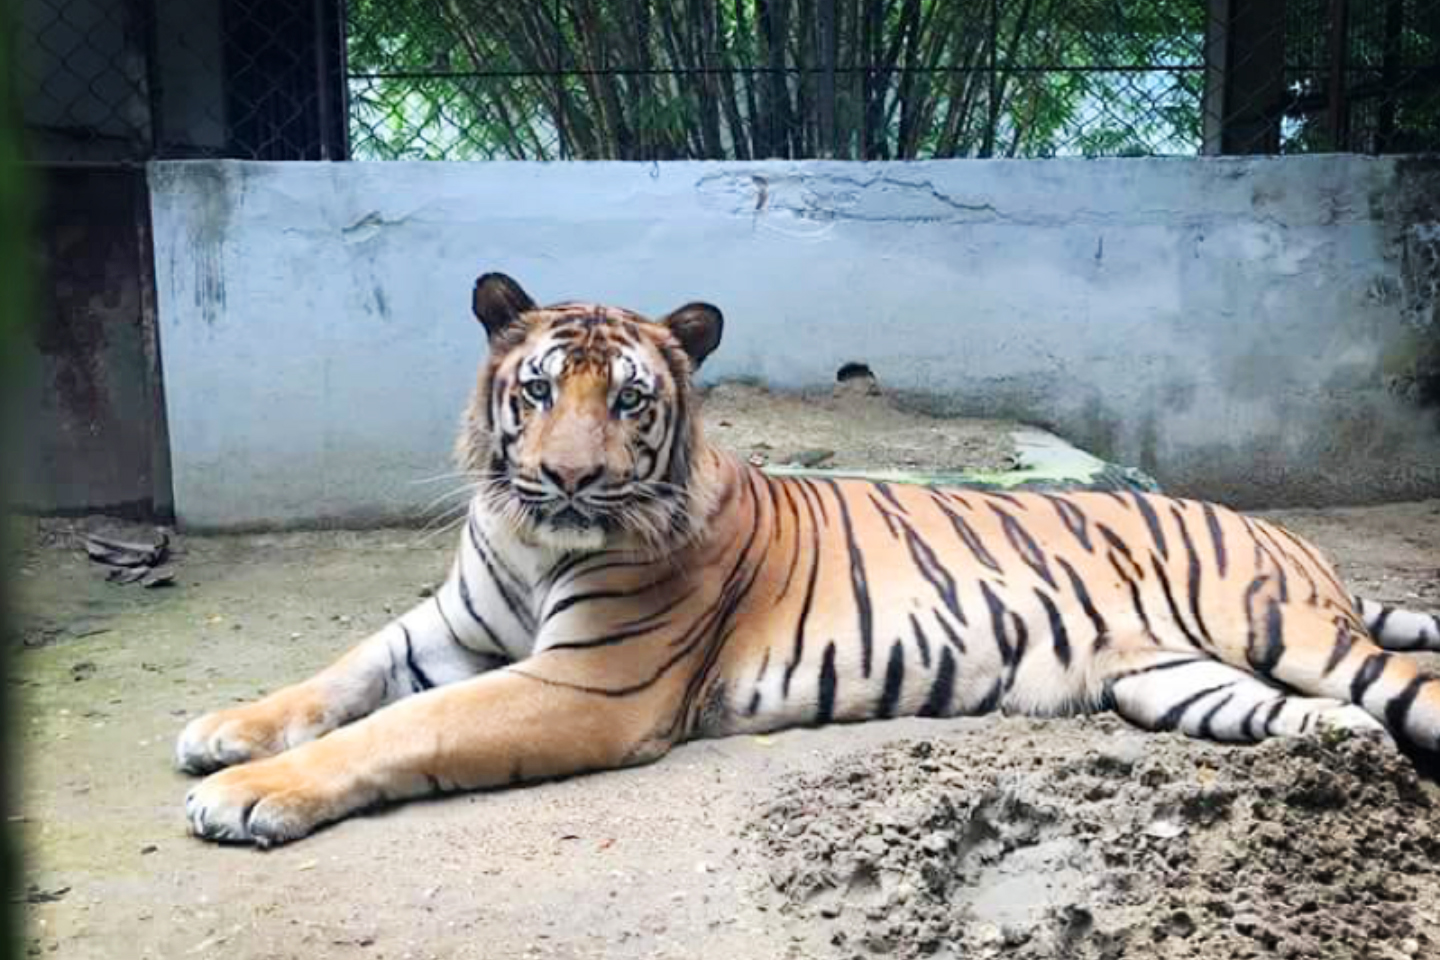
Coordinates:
(847,600)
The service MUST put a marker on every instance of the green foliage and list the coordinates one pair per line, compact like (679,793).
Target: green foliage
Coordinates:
(669,79)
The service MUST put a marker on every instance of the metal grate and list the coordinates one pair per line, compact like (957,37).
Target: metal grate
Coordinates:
(888,79)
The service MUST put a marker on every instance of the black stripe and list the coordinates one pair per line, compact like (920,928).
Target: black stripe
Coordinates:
(1217,537)
(799,649)
(651,617)
(1290,560)
(967,535)
(520,611)
(894,681)
(565,603)
(608,640)
(449,627)
(999,624)
(858,585)
(1013,501)
(1024,545)
(1157,668)
(1250,593)
(1074,519)
(1274,713)
(922,642)
(991,700)
(1319,564)
(942,691)
(1366,676)
(1059,638)
(790,507)
(951,635)
(1378,626)
(825,702)
(754,704)
(1207,730)
(1171,718)
(1170,602)
(425,682)
(1152,520)
(1102,630)
(808,486)
(1344,642)
(1192,576)
(885,515)
(1248,724)
(1397,711)
(889,494)
(1135,599)
(794,562)
(1118,545)
(1281,580)
(1022,643)
(1267,659)
(932,570)
(469,603)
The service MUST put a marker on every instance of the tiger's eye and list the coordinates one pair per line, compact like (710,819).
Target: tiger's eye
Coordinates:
(537,391)
(629,399)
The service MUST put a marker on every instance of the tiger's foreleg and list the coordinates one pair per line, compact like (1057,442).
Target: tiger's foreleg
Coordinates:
(414,653)
(502,728)
(1202,697)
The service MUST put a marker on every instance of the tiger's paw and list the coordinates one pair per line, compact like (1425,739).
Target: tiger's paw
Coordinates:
(267,802)
(226,738)
(1347,721)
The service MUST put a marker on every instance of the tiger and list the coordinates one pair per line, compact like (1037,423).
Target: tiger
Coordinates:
(622,586)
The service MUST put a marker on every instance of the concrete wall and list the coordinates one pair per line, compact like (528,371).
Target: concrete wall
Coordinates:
(1259,331)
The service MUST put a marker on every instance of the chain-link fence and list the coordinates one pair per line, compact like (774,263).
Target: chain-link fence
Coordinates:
(889,79)
(113,80)
(726,79)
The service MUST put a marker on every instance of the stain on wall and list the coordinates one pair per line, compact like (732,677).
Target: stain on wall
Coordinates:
(88,410)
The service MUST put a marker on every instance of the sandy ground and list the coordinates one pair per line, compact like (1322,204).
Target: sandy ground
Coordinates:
(704,854)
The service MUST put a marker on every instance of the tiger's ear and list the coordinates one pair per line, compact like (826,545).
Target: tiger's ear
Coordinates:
(498,302)
(698,327)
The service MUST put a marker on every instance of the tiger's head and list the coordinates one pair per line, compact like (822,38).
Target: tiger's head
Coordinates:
(582,431)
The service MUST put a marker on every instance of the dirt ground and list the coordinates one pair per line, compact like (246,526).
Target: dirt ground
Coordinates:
(984,837)
(853,428)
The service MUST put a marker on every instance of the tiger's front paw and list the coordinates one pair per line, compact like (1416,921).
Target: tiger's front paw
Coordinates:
(267,802)
(227,737)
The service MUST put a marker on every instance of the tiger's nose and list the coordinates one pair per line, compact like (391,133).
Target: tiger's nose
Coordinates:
(571,479)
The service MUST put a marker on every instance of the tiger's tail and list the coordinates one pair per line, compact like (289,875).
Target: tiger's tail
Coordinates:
(1394,628)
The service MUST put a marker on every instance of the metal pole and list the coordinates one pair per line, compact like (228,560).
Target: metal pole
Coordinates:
(1338,113)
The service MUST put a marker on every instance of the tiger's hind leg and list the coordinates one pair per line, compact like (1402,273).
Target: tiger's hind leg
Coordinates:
(1202,697)
(1394,628)
(1321,657)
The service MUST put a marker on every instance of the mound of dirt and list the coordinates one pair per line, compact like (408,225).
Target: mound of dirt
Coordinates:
(974,848)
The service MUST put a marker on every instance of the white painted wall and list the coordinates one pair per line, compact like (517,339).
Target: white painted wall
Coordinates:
(1228,324)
